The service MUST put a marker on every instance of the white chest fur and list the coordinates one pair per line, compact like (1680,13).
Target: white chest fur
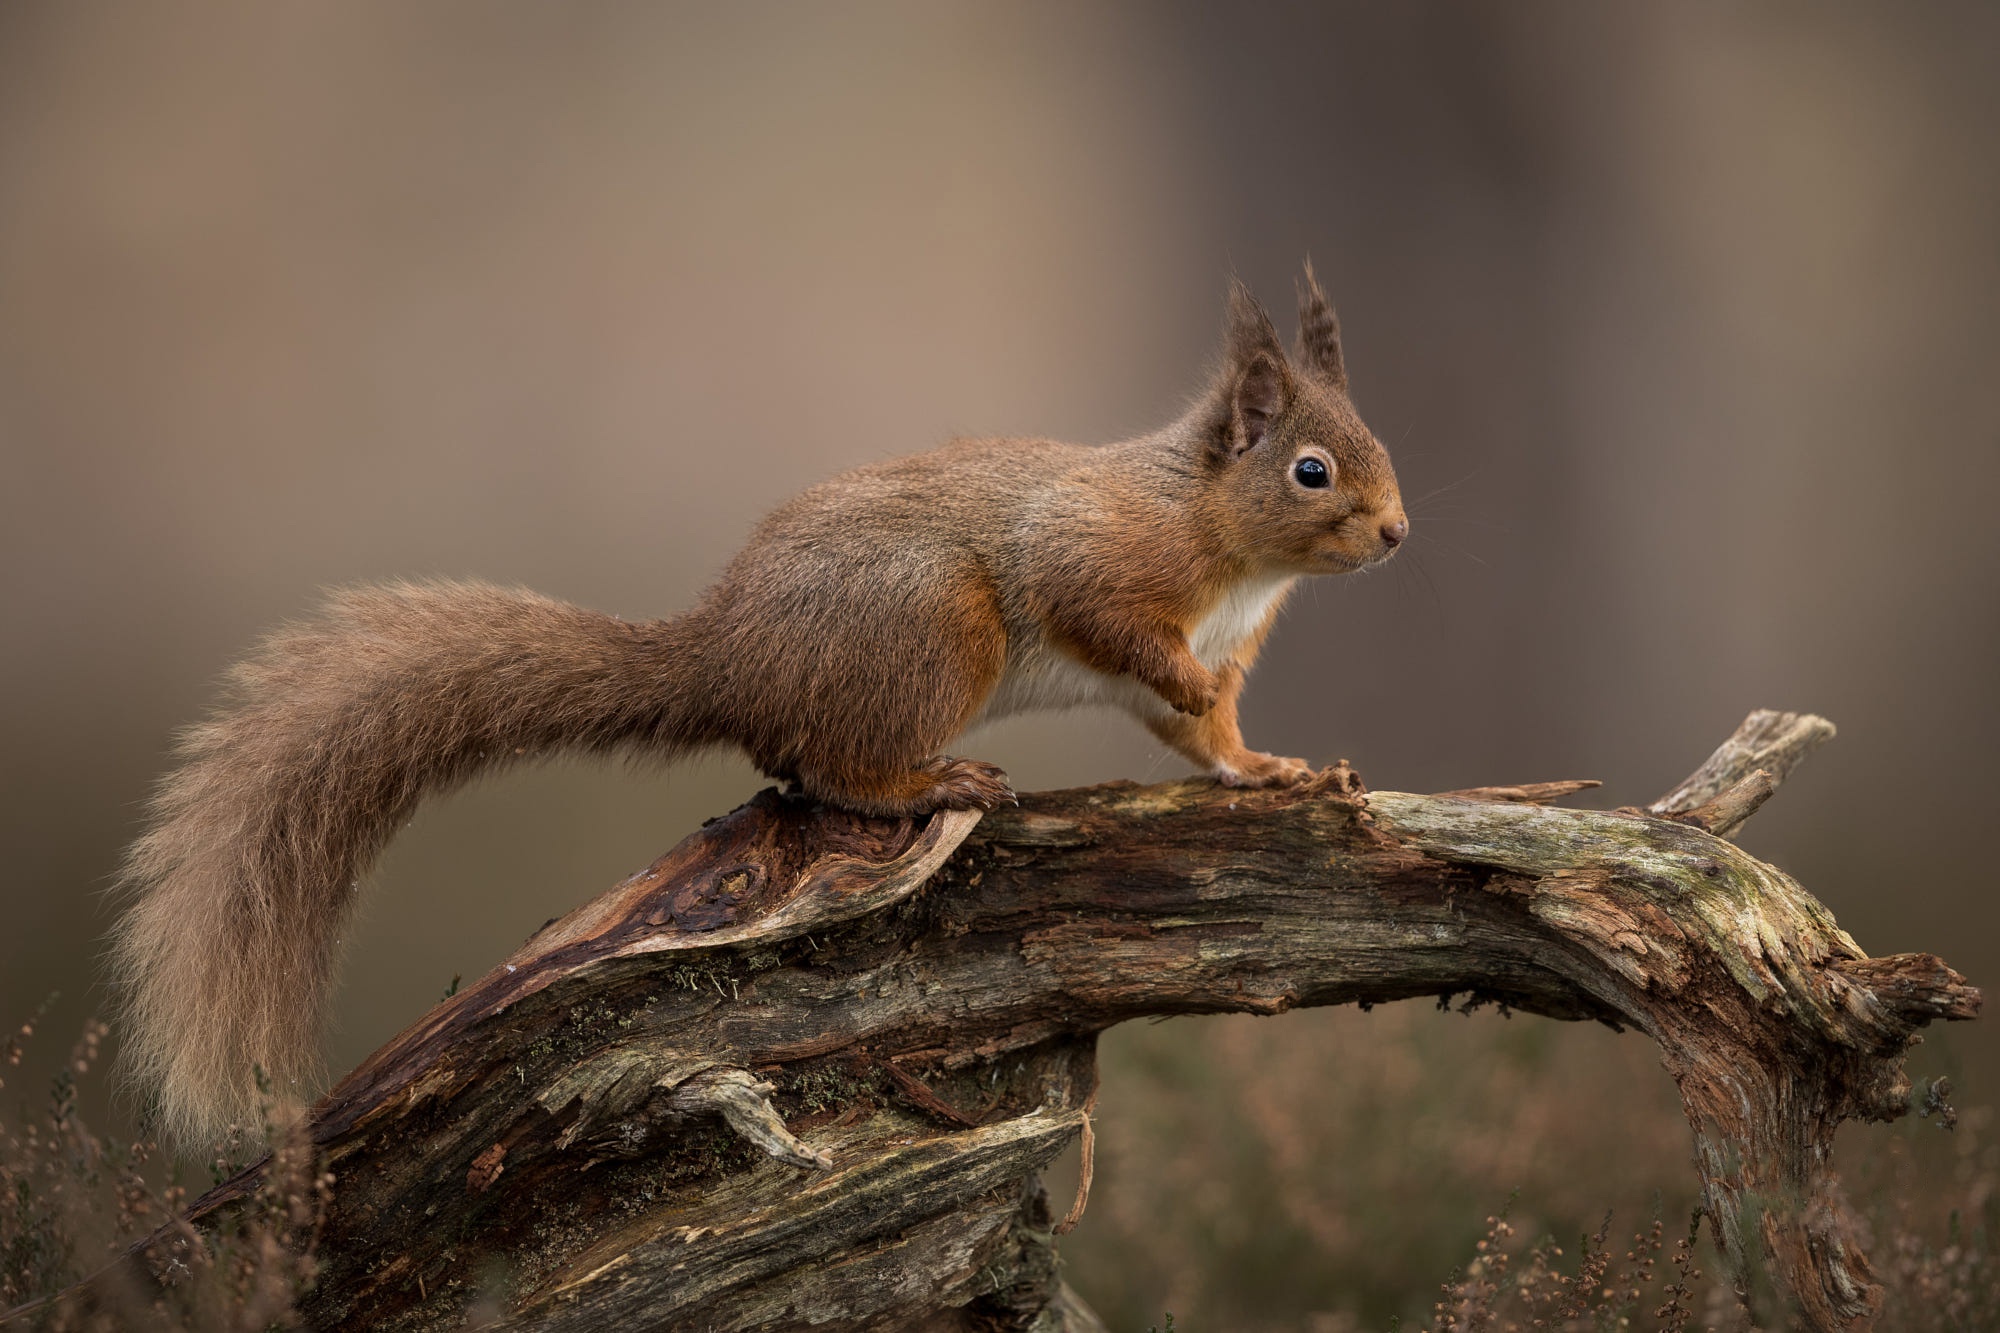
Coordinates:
(1040,676)
(1236,617)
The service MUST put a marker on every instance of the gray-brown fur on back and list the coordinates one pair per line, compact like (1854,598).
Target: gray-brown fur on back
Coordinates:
(891,577)
(329,735)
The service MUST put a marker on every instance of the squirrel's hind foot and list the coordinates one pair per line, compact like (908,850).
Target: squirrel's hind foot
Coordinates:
(943,783)
(967,784)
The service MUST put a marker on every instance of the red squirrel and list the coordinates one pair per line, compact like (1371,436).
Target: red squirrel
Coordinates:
(863,627)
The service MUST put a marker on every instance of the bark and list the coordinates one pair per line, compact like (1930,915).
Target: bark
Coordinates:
(804,1070)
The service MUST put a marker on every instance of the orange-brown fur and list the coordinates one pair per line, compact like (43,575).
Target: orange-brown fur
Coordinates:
(863,627)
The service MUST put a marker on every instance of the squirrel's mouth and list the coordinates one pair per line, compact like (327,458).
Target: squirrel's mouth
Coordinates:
(1333,560)
(1328,561)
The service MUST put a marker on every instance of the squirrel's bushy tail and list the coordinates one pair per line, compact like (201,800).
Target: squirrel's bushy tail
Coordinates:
(331,733)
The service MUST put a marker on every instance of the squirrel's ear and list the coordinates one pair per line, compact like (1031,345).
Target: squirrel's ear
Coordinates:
(1255,401)
(1319,333)
(1256,380)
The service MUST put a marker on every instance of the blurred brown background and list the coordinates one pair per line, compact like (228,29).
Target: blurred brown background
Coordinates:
(1679,320)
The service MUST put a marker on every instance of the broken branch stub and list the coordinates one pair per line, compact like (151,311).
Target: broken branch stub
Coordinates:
(804,1070)
(1767,739)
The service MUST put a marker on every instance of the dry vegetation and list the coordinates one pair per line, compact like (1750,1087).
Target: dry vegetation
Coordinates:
(1316,1173)
(72,1201)
(1325,1170)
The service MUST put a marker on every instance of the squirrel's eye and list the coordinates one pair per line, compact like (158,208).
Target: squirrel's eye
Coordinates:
(1311,472)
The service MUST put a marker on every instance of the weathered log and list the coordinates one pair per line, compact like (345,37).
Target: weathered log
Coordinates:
(803,1070)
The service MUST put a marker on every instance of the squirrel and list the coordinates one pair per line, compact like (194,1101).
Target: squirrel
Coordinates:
(865,625)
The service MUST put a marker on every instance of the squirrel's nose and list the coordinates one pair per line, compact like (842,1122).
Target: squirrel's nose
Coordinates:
(1393,533)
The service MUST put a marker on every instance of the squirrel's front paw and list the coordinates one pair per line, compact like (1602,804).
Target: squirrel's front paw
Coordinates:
(1193,695)
(1254,769)
(967,784)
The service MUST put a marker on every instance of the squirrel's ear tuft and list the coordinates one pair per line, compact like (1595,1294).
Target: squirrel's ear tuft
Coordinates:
(1256,380)
(1319,333)
(1251,333)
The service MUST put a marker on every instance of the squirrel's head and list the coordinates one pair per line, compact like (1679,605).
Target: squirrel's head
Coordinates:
(1300,483)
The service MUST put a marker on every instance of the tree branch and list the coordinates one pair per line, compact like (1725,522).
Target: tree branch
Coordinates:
(806,1067)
